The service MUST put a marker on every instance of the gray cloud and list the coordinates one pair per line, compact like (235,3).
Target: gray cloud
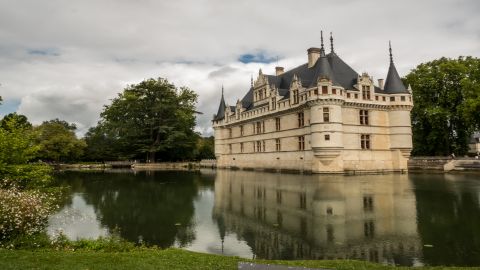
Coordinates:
(66,59)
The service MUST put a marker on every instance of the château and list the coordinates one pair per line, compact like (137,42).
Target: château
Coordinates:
(320,117)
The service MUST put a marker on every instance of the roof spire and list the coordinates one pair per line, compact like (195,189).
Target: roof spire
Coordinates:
(321,40)
(331,43)
(251,80)
(390,49)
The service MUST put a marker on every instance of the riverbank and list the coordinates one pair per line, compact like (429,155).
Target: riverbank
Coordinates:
(152,258)
(443,164)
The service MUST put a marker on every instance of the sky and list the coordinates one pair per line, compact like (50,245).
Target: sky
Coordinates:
(68,59)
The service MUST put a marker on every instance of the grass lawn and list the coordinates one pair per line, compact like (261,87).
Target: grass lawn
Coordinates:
(151,259)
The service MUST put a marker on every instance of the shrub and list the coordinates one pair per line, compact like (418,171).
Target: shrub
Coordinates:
(26,176)
(23,212)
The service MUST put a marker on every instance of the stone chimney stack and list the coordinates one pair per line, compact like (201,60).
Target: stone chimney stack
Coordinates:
(313,55)
(380,83)
(279,70)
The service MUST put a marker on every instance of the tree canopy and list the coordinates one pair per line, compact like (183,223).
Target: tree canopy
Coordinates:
(151,120)
(57,141)
(446,94)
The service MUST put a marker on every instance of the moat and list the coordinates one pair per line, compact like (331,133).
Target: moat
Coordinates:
(401,219)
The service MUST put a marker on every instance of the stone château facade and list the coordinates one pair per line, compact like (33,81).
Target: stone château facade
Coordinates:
(321,117)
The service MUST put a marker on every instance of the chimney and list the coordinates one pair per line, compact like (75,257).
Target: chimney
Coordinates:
(279,70)
(380,83)
(313,55)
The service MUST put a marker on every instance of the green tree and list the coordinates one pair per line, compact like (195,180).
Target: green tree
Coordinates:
(16,142)
(57,141)
(446,94)
(21,121)
(152,120)
(205,148)
(101,144)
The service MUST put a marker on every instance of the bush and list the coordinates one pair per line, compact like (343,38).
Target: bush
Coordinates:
(26,176)
(23,212)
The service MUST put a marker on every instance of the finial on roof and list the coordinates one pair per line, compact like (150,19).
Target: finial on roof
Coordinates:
(321,40)
(390,49)
(331,43)
(222,90)
(260,72)
(251,80)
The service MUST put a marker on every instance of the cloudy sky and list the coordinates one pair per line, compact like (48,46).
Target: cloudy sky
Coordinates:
(66,59)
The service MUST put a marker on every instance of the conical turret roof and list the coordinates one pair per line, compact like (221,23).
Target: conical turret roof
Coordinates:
(393,82)
(221,109)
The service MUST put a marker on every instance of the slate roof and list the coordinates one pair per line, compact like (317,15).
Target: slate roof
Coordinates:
(221,109)
(331,66)
(393,82)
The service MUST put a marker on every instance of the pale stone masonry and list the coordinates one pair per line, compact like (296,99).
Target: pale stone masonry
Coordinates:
(321,117)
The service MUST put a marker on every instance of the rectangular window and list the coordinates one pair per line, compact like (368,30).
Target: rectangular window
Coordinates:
(326,115)
(301,121)
(376,98)
(327,137)
(348,95)
(263,146)
(274,103)
(365,141)
(259,127)
(383,98)
(241,147)
(334,91)
(241,130)
(369,229)
(263,126)
(402,98)
(363,117)
(259,146)
(315,91)
(392,98)
(277,124)
(295,97)
(301,143)
(278,146)
(366,92)
(356,96)
(324,89)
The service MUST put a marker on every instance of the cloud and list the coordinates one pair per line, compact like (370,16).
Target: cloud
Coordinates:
(67,59)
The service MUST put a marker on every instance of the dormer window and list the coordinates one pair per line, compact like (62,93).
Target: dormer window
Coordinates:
(366,92)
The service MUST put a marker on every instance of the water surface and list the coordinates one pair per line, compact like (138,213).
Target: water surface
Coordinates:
(416,219)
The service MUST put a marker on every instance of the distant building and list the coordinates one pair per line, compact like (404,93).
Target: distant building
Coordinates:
(321,117)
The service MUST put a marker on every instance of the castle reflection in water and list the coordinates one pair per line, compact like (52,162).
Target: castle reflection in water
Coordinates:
(371,217)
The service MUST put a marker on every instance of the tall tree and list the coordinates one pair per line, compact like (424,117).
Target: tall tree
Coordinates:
(57,141)
(446,95)
(152,120)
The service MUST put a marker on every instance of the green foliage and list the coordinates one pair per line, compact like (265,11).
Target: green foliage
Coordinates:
(205,148)
(16,142)
(19,121)
(26,176)
(57,141)
(446,95)
(150,120)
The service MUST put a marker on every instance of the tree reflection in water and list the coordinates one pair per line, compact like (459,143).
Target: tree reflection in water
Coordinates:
(143,206)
